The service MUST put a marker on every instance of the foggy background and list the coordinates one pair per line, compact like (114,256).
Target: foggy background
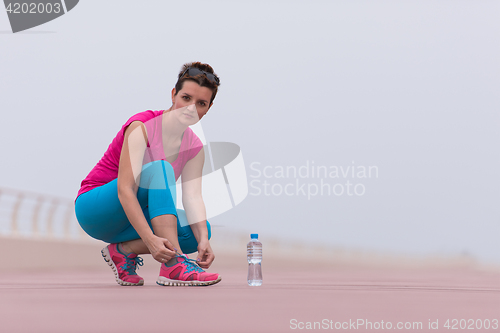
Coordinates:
(409,87)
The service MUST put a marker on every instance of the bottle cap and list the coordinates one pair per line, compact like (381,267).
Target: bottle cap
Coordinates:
(252,236)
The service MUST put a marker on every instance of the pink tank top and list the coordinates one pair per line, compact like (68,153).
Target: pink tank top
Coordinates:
(106,169)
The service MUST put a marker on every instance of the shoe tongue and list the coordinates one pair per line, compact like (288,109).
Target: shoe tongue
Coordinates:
(132,255)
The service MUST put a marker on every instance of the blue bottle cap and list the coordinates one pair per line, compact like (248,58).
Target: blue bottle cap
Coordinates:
(252,236)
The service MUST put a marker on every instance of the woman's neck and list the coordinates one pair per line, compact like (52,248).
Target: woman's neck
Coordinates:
(172,129)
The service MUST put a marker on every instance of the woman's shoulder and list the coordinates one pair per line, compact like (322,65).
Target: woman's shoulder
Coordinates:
(193,139)
(144,116)
(140,119)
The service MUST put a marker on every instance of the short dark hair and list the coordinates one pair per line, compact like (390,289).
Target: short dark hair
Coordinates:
(201,79)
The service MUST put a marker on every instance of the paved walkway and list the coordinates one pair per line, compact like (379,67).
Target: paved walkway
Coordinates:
(290,299)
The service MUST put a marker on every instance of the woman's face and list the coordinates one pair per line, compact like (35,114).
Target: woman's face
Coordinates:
(191,102)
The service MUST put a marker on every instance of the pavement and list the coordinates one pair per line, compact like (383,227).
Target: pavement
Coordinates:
(295,296)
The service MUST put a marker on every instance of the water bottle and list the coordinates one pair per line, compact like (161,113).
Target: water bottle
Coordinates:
(254,257)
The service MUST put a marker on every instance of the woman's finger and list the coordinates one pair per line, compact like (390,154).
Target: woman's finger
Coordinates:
(168,245)
(207,261)
(170,253)
(201,255)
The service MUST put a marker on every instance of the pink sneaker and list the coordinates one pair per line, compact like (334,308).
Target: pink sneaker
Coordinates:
(185,273)
(123,266)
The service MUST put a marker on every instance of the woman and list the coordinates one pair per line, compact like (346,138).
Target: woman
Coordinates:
(128,199)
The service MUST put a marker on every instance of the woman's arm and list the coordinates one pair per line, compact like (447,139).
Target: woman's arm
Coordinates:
(129,169)
(192,201)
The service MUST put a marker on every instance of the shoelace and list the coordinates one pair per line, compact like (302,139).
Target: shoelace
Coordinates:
(191,264)
(131,264)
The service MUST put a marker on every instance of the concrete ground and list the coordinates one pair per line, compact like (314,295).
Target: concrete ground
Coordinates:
(307,296)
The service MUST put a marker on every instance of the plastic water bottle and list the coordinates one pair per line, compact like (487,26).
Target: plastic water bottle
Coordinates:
(254,257)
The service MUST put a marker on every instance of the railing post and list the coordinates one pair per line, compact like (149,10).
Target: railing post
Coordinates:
(15,214)
(36,213)
(67,221)
(50,218)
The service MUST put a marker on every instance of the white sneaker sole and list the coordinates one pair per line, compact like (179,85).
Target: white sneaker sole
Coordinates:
(107,258)
(163,281)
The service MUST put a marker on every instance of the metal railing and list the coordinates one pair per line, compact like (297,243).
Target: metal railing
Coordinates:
(35,215)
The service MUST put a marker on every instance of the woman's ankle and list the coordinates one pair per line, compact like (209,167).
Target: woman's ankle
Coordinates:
(124,248)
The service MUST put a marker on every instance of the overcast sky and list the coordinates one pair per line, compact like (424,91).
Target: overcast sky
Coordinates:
(409,88)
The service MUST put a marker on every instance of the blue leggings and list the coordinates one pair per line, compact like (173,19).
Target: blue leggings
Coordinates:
(101,214)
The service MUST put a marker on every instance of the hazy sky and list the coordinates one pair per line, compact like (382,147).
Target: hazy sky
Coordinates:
(409,88)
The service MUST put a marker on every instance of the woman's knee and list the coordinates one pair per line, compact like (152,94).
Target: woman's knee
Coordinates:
(157,188)
(157,175)
(187,240)
(185,231)
(183,222)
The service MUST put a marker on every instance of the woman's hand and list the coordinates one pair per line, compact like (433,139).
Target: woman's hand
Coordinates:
(205,254)
(160,248)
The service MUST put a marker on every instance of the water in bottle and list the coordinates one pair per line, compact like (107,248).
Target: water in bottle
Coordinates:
(254,257)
